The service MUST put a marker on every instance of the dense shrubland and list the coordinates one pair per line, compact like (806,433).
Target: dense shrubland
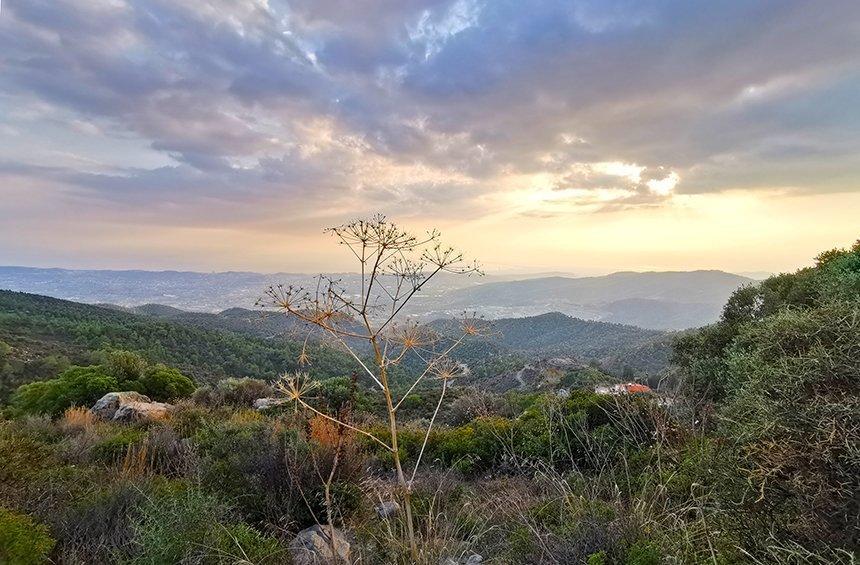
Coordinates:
(754,459)
(82,386)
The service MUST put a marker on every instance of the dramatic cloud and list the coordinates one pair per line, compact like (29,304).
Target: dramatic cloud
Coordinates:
(267,117)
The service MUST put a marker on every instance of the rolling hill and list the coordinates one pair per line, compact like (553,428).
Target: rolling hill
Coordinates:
(37,327)
(618,348)
(44,331)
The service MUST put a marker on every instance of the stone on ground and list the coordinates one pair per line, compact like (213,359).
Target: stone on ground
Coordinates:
(312,546)
(129,406)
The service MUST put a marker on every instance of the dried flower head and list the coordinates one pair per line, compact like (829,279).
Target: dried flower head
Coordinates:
(412,335)
(296,387)
(473,325)
(447,369)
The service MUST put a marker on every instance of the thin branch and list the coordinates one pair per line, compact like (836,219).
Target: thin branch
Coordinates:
(360,362)
(429,428)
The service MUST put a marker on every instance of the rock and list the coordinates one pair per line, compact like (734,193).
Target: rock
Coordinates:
(387,509)
(142,412)
(312,546)
(129,406)
(266,403)
(107,405)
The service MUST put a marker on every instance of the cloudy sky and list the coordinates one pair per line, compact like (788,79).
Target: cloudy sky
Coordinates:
(584,136)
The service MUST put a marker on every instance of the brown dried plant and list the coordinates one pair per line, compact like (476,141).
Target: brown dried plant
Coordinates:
(368,323)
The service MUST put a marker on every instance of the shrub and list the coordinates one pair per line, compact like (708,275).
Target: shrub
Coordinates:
(240,461)
(97,527)
(793,407)
(83,386)
(76,386)
(163,383)
(476,446)
(232,391)
(110,449)
(643,553)
(188,418)
(124,365)
(23,541)
(22,454)
(193,527)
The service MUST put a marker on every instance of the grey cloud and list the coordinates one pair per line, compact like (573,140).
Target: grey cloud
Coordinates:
(229,89)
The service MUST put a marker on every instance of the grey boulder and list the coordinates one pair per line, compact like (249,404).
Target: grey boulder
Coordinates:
(312,546)
(129,406)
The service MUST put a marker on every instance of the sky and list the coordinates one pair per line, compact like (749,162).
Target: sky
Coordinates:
(575,136)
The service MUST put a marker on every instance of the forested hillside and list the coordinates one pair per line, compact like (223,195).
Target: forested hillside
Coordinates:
(43,333)
(618,348)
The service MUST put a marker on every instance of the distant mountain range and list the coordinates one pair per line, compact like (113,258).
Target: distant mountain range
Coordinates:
(655,300)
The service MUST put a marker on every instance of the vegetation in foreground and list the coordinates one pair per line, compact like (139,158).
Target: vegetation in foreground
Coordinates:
(753,460)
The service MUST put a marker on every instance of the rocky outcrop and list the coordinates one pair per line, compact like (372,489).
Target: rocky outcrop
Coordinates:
(312,546)
(108,404)
(142,412)
(130,406)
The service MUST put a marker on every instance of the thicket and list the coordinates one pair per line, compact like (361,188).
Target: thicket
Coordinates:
(83,386)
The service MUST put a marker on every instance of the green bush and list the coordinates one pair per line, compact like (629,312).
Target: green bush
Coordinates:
(163,383)
(21,454)
(123,365)
(76,386)
(473,447)
(233,392)
(22,540)
(790,407)
(193,527)
(643,553)
(258,467)
(83,386)
(115,446)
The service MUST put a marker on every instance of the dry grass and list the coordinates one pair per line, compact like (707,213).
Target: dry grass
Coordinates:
(449,523)
(77,419)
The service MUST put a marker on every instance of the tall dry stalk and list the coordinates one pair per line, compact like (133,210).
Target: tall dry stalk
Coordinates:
(394,266)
